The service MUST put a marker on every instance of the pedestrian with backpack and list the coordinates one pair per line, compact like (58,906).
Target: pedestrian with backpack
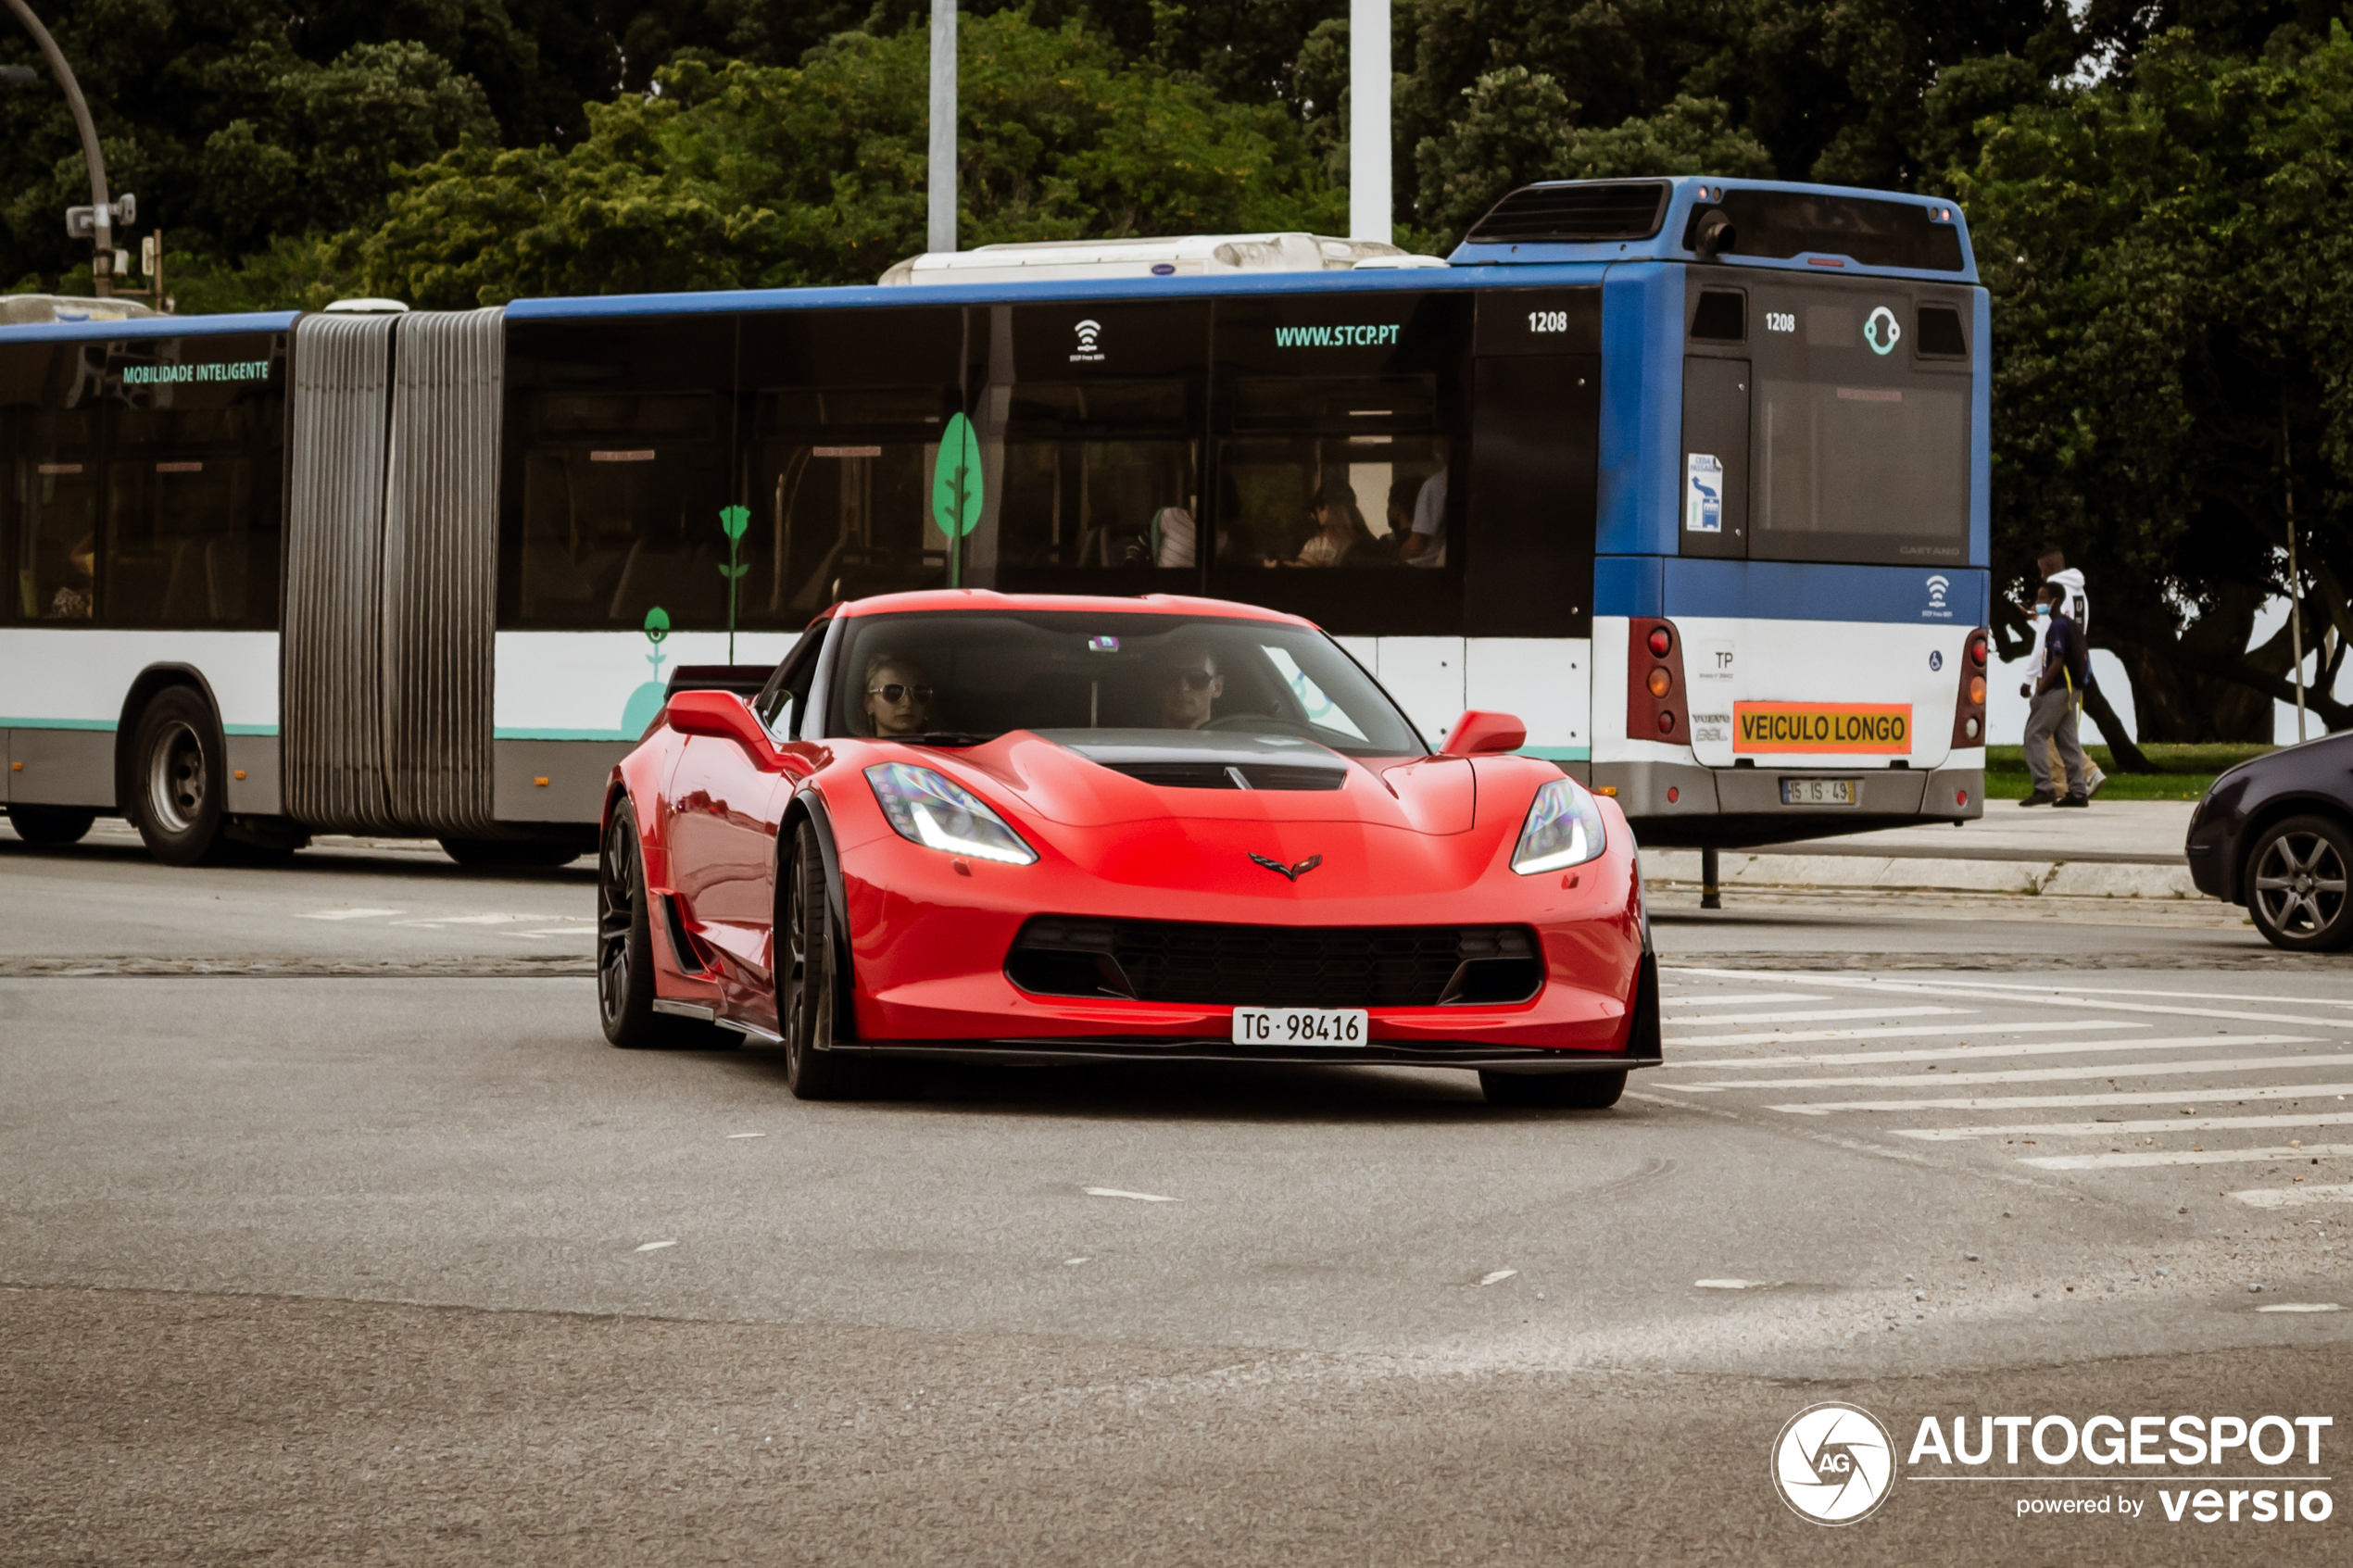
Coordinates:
(2057,699)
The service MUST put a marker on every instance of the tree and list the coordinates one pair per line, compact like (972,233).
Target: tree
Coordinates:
(2173,304)
(755,176)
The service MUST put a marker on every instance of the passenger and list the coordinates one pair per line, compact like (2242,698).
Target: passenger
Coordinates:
(75,601)
(1426,546)
(1188,685)
(1338,527)
(1173,535)
(898,699)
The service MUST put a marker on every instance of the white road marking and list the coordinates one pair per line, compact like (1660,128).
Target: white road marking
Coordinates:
(1899,1032)
(1498,1276)
(1074,1263)
(2117,1129)
(1726,1284)
(2294,1198)
(2187,1157)
(2025,1075)
(658,1245)
(2057,1102)
(1979,992)
(348,914)
(1823,1015)
(1116,1192)
(1966,1052)
(2301,1307)
(1743,1000)
(2143,991)
(746,1135)
(473,919)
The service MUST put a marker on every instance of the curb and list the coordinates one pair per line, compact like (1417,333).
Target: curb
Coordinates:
(2076,879)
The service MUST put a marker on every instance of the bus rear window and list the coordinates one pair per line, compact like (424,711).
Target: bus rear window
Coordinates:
(1864,473)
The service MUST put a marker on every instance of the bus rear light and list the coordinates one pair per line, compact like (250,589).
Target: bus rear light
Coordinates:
(1673,794)
(1969,707)
(1653,673)
(1960,798)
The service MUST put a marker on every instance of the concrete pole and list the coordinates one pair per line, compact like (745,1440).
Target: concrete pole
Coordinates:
(1711,895)
(102,260)
(1368,183)
(941,233)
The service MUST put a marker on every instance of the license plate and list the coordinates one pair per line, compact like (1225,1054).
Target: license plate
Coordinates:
(1819,791)
(1339,1027)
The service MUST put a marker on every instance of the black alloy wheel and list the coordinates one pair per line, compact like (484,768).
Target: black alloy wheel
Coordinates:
(808,980)
(177,777)
(624,953)
(51,827)
(1595,1091)
(2296,884)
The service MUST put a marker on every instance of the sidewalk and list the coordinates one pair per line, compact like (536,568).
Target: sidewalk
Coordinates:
(2125,849)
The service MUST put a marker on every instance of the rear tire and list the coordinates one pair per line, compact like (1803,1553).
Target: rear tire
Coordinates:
(809,982)
(178,775)
(2298,889)
(625,953)
(497,854)
(1555,1091)
(51,827)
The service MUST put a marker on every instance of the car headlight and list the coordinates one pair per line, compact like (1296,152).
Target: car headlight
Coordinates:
(937,813)
(1564,829)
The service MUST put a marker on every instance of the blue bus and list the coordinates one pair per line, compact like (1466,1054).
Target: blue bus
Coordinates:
(1690,474)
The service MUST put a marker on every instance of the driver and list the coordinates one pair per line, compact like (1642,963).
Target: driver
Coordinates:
(1188,684)
(898,696)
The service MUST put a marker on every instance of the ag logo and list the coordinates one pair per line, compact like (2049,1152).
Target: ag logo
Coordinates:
(1085,334)
(1832,1464)
(1881,332)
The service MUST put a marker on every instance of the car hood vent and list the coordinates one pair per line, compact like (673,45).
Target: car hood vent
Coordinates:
(1194,759)
(1577,214)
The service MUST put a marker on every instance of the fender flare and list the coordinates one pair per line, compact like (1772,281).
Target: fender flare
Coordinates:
(809,803)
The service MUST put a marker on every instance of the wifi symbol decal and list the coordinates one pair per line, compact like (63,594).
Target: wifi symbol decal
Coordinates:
(1087,331)
(1936,586)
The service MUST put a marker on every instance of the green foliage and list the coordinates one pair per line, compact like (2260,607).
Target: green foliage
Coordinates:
(753,176)
(2174,285)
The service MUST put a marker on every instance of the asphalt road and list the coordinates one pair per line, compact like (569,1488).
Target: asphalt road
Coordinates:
(332,1232)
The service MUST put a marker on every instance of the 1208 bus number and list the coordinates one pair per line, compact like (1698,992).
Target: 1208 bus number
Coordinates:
(1548,321)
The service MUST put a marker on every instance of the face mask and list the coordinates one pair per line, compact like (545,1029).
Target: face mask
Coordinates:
(2042,610)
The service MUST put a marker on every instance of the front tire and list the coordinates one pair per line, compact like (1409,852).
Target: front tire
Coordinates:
(808,980)
(1555,1091)
(178,774)
(2296,884)
(51,827)
(626,952)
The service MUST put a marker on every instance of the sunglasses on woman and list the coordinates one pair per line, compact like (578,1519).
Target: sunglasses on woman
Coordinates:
(899,691)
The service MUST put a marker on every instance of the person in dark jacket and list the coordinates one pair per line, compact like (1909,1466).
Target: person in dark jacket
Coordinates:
(2057,699)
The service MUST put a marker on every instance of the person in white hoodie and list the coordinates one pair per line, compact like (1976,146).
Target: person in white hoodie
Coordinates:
(2077,608)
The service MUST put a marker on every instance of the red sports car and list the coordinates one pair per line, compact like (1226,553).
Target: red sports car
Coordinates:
(1049,829)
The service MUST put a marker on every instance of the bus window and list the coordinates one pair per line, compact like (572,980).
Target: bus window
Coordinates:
(1860,452)
(841,485)
(55,516)
(619,441)
(1089,416)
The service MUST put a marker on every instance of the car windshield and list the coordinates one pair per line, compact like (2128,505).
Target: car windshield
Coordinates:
(960,678)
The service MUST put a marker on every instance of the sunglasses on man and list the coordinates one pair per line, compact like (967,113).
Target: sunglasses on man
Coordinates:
(1191,680)
(899,691)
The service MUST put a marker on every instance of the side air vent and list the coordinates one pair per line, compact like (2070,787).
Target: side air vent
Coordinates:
(1940,333)
(1722,317)
(1243,775)
(1574,214)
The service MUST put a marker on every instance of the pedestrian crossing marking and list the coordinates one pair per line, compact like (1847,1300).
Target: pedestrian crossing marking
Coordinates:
(2059,1102)
(1823,1015)
(2294,1198)
(1702,999)
(2140,1157)
(1970,1052)
(1895,1032)
(2025,1074)
(2119,1129)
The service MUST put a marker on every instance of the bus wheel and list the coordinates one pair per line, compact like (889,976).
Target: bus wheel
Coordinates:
(491,854)
(51,826)
(176,777)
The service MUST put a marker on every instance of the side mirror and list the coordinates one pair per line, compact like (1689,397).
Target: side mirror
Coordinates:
(725,715)
(1480,733)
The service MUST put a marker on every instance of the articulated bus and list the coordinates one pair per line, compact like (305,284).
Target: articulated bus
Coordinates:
(1689,474)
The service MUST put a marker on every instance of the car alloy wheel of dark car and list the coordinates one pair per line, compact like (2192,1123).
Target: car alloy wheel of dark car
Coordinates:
(2296,884)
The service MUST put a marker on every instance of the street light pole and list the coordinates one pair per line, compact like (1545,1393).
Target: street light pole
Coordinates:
(942,230)
(102,219)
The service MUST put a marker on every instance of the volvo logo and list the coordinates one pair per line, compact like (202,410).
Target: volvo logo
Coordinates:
(1291,874)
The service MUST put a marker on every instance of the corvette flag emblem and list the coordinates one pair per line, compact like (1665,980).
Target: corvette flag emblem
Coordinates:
(1291,874)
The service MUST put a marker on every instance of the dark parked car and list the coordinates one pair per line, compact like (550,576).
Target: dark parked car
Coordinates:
(2276,834)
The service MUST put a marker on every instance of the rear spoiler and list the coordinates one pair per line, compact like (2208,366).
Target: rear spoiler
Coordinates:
(744,680)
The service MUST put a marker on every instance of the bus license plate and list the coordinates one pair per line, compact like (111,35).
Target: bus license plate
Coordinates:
(1819,791)
(1338,1027)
